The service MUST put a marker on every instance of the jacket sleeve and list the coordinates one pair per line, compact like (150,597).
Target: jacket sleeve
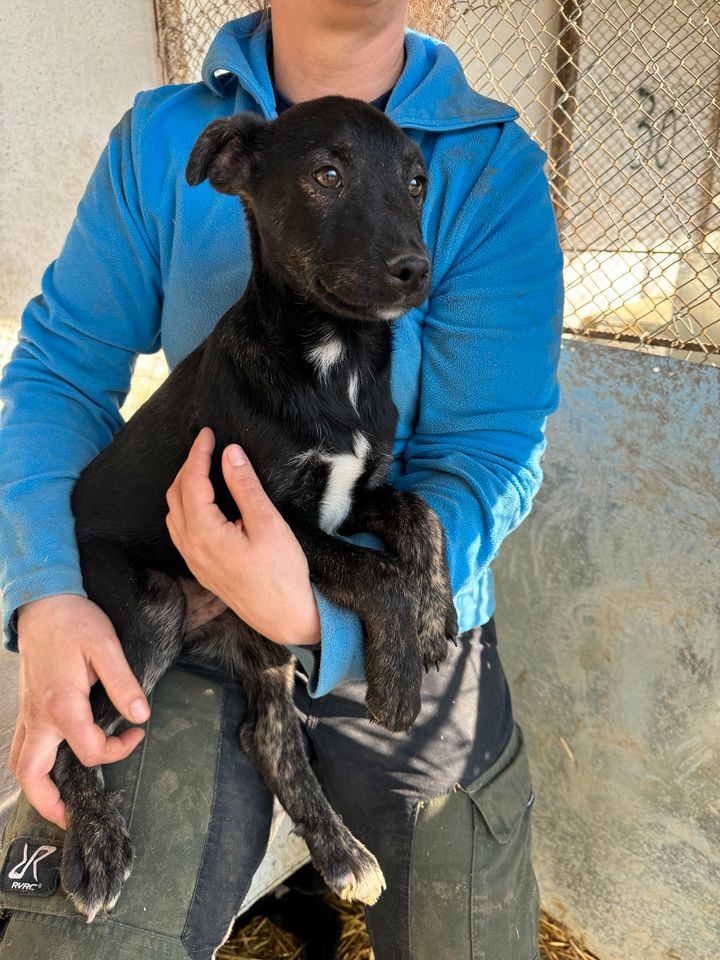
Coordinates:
(69,374)
(490,347)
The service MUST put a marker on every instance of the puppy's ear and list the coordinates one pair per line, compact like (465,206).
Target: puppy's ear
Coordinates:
(225,151)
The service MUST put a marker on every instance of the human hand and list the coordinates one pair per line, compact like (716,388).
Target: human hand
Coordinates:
(254,565)
(66,644)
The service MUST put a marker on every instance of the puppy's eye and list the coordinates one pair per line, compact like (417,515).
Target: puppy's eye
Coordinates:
(415,186)
(327,177)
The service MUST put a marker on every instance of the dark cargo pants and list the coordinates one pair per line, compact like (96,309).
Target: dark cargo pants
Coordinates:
(446,810)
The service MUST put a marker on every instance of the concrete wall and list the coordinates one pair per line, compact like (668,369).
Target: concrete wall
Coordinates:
(609,614)
(68,72)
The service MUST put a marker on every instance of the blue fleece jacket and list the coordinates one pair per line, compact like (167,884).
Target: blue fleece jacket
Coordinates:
(150,263)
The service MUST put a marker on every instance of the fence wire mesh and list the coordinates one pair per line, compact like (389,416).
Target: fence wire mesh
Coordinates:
(625,97)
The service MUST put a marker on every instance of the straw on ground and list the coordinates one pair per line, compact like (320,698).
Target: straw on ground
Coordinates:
(262,940)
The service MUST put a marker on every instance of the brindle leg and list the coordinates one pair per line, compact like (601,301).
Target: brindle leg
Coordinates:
(273,741)
(148,614)
(376,586)
(413,533)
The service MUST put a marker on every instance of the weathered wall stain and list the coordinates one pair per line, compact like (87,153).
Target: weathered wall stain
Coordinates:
(609,614)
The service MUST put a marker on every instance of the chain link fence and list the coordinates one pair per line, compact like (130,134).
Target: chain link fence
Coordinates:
(625,97)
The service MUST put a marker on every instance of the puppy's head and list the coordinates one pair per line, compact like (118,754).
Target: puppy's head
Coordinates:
(335,191)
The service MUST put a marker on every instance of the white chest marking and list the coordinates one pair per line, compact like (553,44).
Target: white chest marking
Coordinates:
(345,469)
(353,389)
(325,355)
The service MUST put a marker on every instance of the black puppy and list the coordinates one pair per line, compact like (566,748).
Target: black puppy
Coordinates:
(298,373)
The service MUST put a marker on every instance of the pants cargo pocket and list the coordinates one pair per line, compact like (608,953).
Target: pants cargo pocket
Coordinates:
(473,894)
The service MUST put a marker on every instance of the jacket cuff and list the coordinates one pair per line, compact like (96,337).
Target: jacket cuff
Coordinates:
(340,656)
(48,582)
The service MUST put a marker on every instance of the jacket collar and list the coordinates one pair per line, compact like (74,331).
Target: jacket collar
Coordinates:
(430,94)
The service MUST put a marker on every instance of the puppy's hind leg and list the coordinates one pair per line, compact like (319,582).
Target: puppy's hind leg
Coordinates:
(148,613)
(272,739)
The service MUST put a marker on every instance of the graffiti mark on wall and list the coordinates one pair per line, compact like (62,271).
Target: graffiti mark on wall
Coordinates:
(657,129)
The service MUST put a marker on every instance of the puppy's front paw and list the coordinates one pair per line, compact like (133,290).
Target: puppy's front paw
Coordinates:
(354,874)
(394,702)
(437,618)
(346,865)
(397,716)
(97,859)
(393,665)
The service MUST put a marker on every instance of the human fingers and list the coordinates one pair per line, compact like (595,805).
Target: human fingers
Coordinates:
(121,685)
(198,460)
(16,745)
(88,741)
(70,715)
(34,763)
(66,642)
(256,509)
(191,498)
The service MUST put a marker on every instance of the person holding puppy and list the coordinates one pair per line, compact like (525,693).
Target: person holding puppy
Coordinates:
(446,809)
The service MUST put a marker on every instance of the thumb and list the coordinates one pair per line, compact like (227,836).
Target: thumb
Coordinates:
(121,684)
(256,508)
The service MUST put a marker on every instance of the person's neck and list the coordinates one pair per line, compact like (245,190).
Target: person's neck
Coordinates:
(318,50)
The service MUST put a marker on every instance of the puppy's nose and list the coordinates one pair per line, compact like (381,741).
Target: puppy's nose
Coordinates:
(409,271)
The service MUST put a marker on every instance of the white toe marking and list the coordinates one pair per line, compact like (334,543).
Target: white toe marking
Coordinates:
(367,886)
(345,469)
